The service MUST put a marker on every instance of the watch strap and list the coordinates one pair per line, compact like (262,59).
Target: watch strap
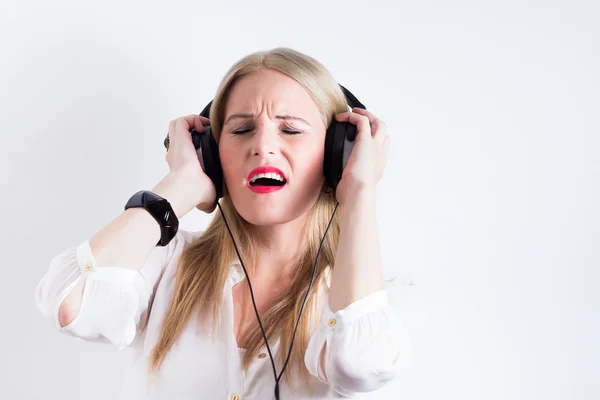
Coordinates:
(160,209)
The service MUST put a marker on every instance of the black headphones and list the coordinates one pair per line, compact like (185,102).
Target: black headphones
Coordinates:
(339,141)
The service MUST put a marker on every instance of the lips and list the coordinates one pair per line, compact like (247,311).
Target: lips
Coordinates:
(265,170)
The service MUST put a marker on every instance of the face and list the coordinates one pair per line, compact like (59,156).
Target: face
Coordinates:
(271,121)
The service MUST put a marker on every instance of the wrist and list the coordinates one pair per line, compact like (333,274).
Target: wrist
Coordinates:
(173,188)
(362,197)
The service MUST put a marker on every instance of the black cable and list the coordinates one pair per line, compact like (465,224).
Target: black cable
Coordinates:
(251,294)
(301,308)
(308,291)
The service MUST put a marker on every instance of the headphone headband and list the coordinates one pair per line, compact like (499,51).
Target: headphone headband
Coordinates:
(351,99)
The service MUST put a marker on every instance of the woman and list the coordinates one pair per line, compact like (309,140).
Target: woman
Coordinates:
(185,308)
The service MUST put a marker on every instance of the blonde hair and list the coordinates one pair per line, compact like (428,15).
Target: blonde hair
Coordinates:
(204,265)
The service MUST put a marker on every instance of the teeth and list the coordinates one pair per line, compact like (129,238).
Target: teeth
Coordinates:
(271,175)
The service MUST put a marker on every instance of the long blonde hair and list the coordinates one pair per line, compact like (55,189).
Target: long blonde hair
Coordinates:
(204,265)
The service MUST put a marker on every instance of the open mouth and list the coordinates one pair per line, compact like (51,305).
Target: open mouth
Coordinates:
(267,182)
(266,179)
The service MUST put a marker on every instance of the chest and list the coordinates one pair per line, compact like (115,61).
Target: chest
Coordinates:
(244,316)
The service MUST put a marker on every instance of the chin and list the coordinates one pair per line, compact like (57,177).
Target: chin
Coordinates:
(272,209)
(263,216)
(270,213)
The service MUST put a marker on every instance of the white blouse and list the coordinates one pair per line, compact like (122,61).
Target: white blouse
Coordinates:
(366,344)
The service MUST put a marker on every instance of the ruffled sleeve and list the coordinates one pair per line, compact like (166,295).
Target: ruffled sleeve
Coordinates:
(115,300)
(365,345)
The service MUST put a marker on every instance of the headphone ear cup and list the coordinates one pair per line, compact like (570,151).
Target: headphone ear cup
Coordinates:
(328,155)
(208,155)
(339,141)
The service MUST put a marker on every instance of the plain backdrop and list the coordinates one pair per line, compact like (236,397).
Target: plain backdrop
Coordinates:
(487,210)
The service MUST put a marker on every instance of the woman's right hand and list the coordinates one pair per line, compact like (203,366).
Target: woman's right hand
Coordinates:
(183,162)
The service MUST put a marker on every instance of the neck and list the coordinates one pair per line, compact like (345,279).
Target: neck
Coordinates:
(278,247)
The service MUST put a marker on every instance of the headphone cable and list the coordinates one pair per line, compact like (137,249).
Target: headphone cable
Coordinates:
(301,308)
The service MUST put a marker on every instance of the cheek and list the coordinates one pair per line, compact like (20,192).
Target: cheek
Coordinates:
(230,159)
(309,163)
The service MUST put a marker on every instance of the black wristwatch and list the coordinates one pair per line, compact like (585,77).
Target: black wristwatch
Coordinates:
(160,209)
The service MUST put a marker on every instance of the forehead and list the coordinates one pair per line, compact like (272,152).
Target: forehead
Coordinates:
(273,89)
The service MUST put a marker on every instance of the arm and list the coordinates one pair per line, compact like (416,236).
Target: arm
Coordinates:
(358,271)
(359,345)
(109,301)
(126,241)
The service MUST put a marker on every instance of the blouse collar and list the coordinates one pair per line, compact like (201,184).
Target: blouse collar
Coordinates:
(236,272)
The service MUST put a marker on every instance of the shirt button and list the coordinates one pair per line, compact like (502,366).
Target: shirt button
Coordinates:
(235,397)
(332,322)
(88,267)
(262,355)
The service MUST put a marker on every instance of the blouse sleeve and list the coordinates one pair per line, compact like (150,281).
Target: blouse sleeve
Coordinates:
(365,345)
(115,301)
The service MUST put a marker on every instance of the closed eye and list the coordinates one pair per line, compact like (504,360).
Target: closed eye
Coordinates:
(288,131)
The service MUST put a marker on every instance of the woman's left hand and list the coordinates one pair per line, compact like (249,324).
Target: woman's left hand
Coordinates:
(368,157)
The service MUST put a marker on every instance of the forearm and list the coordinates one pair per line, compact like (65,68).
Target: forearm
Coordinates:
(358,269)
(127,240)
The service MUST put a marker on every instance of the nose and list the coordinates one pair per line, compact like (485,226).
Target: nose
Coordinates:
(265,141)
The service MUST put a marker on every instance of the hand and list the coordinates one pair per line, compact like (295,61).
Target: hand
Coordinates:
(368,157)
(183,162)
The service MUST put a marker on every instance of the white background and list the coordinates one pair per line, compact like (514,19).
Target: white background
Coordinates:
(488,205)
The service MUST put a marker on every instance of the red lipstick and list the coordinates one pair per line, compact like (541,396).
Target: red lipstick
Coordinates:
(264,170)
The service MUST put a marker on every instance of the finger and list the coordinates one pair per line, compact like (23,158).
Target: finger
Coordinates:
(364,112)
(199,122)
(361,122)
(184,126)
(378,127)
(192,121)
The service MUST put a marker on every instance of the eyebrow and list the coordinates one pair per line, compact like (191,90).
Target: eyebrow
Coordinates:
(282,117)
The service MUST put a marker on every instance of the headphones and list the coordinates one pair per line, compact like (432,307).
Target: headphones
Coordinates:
(339,141)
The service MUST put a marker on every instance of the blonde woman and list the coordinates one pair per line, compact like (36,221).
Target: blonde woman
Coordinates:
(281,261)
